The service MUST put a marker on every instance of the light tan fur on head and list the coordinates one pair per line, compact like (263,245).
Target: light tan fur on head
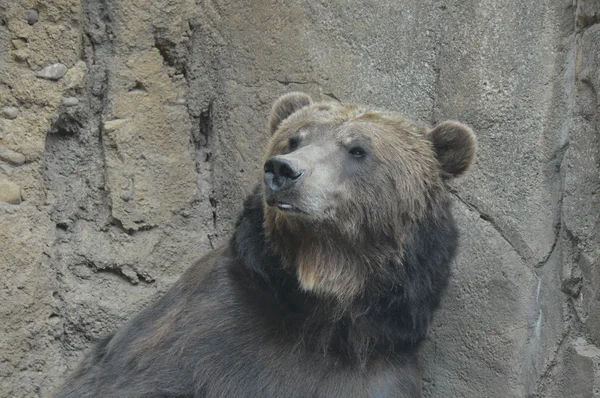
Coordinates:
(338,249)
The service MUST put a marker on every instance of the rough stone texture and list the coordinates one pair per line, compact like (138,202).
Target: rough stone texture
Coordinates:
(124,188)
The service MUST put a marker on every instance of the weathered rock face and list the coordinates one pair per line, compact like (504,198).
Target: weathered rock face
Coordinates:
(131,131)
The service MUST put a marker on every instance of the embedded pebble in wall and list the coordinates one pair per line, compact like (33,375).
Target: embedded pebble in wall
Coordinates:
(11,156)
(70,101)
(10,112)
(5,168)
(127,195)
(32,16)
(112,125)
(10,192)
(52,72)
(19,43)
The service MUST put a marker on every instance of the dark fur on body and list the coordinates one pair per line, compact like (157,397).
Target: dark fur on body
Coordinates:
(333,304)
(237,324)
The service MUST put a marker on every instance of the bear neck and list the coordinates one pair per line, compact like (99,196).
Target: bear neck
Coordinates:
(396,299)
(326,260)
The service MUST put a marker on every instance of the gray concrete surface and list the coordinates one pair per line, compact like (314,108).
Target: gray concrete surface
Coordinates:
(120,171)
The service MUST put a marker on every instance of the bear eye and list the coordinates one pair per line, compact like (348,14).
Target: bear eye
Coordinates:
(293,143)
(357,152)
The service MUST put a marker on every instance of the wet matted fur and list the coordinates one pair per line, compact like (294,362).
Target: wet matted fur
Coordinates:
(326,288)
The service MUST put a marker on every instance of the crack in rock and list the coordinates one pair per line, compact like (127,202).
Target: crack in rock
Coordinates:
(510,236)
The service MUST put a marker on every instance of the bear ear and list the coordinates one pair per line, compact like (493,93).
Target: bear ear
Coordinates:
(455,146)
(285,106)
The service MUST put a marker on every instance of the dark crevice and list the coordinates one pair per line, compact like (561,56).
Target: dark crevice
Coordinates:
(88,55)
(115,222)
(203,135)
(288,82)
(67,125)
(98,27)
(213,204)
(332,96)
(585,21)
(138,88)
(557,227)
(590,113)
(438,47)
(62,225)
(173,55)
(558,156)
(101,138)
(485,217)
(555,165)
(572,284)
(125,271)
(435,93)
(554,360)
(588,83)
(133,279)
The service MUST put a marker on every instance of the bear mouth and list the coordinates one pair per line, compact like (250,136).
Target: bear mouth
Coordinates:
(283,206)
(287,208)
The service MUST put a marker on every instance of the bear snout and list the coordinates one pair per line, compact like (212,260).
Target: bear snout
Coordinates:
(281,174)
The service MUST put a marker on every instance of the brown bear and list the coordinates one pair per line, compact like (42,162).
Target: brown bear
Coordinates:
(329,282)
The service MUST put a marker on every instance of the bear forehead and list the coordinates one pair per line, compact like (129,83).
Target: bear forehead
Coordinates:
(345,123)
(326,113)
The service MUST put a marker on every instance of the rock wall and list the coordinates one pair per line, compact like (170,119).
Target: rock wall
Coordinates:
(130,132)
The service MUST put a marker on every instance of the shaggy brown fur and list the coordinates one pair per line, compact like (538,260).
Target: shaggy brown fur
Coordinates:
(329,283)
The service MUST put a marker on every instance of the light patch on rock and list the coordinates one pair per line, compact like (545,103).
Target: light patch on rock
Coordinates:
(10,112)
(10,192)
(5,168)
(70,101)
(53,72)
(19,43)
(11,156)
(585,349)
(127,195)
(112,125)
(75,77)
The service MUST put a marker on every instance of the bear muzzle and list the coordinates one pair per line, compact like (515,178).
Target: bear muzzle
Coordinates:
(281,174)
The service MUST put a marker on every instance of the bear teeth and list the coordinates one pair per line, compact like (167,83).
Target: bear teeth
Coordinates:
(284,206)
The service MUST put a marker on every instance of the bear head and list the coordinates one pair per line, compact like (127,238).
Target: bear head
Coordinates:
(343,185)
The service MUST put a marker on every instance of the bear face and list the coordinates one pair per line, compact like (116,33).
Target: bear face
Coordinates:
(343,184)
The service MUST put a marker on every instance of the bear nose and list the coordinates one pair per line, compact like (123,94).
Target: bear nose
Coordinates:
(280,174)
